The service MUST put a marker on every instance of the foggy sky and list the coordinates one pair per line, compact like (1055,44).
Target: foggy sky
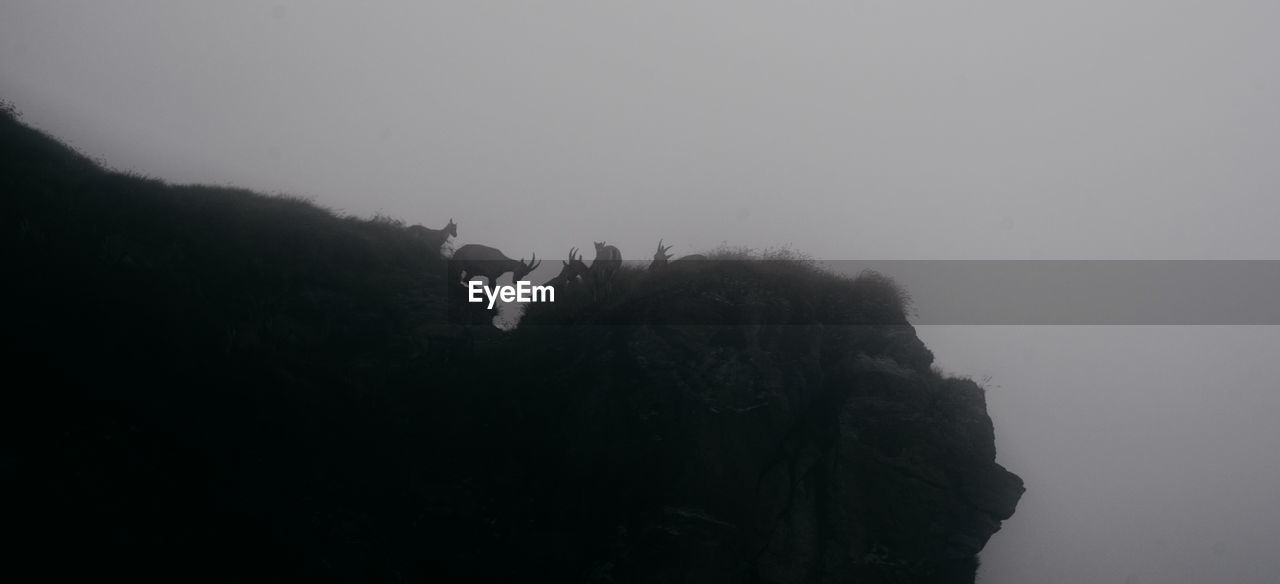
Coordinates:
(846,130)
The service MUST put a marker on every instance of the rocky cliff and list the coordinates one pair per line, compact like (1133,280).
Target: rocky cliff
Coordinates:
(755,421)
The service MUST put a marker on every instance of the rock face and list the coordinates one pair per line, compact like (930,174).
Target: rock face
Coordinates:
(788,450)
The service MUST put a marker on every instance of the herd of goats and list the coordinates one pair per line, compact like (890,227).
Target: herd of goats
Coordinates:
(473,260)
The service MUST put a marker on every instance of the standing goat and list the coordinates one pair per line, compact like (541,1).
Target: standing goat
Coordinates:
(608,260)
(435,238)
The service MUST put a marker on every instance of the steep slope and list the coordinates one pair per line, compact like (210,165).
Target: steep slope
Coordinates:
(202,373)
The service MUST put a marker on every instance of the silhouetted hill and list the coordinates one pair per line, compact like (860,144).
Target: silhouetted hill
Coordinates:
(216,384)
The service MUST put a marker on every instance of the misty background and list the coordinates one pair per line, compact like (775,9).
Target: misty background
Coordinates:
(850,130)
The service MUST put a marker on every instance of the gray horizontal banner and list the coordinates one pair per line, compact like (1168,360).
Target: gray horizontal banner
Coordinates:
(1083,292)
(1043,292)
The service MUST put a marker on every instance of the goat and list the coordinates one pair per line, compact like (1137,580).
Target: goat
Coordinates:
(573,271)
(608,260)
(481,260)
(435,238)
(660,257)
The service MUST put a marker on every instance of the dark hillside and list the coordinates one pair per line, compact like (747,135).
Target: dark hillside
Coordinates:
(250,352)
(215,384)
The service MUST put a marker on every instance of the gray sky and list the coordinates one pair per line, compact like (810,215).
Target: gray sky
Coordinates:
(848,130)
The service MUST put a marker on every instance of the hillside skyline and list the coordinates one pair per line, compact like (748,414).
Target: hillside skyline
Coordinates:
(862,130)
